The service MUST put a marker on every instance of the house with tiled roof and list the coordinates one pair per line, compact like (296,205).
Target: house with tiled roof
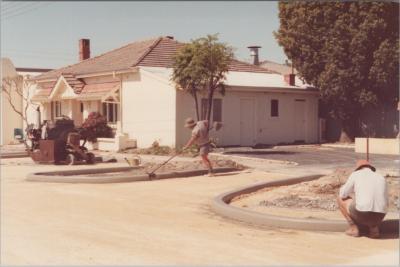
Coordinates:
(132,87)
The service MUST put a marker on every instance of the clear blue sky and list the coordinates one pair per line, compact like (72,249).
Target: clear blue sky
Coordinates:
(46,34)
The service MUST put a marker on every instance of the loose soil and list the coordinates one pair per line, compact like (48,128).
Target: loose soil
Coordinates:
(176,166)
(313,199)
(165,222)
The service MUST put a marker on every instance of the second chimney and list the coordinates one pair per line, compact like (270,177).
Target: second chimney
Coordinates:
(290,79)
(84,49)
(254,53)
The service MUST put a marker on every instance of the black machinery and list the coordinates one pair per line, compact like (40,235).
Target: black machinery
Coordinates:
(58,142)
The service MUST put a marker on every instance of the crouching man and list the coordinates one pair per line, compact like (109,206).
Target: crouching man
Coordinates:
(201,138)
(363,199)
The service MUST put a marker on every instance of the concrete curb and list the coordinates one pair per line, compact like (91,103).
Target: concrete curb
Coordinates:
(221,206)
(233,157)
(10,155)
(65,176)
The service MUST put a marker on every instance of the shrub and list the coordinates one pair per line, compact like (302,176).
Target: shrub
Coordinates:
(95,126)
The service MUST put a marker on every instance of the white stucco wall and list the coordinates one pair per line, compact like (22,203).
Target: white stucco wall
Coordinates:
(148,112)
(266,129)
(9,118)
(32,114)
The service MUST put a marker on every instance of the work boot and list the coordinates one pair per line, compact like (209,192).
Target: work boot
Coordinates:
(374,232)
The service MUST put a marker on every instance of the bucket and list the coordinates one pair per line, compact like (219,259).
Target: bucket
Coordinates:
(134,161)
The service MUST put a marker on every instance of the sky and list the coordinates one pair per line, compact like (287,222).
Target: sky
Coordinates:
(46,34)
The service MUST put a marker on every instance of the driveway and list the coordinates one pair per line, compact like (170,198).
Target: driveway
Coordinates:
(316,158)
(163,222)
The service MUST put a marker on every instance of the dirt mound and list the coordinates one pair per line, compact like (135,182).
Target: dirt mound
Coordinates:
(190,165)
(321,193)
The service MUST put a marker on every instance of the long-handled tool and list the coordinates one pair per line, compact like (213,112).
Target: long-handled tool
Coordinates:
(152,174)
(216,125)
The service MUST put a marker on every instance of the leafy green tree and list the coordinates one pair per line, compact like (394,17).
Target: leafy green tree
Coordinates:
(199,68)
(350,51)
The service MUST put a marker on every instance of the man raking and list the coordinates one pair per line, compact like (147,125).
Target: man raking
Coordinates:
(201,138)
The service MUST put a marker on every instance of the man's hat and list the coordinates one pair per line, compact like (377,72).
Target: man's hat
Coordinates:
(189,123)
(361,163)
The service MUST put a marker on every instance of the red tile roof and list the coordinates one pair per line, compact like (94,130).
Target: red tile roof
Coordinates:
(99,89)
(91,89)
(156,52)
(76,84)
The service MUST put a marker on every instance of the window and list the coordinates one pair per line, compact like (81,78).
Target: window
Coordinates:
(216,114)
(217,110)
(274,108)
(55,109)
(110,110)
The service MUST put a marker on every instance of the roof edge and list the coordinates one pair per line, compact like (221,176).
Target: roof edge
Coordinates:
(156,42)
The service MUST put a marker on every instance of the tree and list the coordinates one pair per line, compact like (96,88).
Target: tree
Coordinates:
(12,89)
(199,67)
(349,50)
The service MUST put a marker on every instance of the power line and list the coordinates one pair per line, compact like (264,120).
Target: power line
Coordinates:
(12,9)
(20,11)
(40,56)
(8,6)
(39,52)
(17,9)
(27,10)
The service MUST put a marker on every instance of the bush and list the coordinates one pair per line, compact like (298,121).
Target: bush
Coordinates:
(95,126)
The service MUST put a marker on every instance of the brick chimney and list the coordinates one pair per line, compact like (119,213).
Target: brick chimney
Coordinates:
(254,53)
(290,79)
(84,49)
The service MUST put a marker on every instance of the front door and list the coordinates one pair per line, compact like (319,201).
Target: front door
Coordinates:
(247,122)
(77,115)
(300,120)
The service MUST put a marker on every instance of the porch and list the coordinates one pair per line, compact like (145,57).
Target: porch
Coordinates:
(76,99)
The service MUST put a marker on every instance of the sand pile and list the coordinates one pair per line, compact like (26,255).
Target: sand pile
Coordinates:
(319,194)
(189,165)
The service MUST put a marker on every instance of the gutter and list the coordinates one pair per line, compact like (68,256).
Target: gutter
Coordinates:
(297,90)
(96,74)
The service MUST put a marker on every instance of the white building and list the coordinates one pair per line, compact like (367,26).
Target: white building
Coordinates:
(132,87)
(12,123)
(10,120)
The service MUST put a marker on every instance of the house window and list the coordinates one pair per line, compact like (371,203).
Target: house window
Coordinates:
(274,108)
(217,110)
(110,110)
(55,109)
(216,114)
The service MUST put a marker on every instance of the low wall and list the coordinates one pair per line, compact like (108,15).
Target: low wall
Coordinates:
(126,174)
(117,143)
(388,146)
(222,207)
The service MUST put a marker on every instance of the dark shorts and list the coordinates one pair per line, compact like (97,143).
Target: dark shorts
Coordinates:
(368,218)
(204,149)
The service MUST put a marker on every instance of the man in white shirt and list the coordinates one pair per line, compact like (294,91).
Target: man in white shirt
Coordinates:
(363,199)
(200,137)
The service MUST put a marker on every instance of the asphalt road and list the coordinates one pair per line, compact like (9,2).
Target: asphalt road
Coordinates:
(317,156)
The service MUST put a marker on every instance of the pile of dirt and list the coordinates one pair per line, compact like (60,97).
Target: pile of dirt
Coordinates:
(321,193)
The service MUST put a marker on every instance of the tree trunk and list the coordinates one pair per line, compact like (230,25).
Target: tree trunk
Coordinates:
(210,102)
(196,104)
(344,137)
(346,134)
